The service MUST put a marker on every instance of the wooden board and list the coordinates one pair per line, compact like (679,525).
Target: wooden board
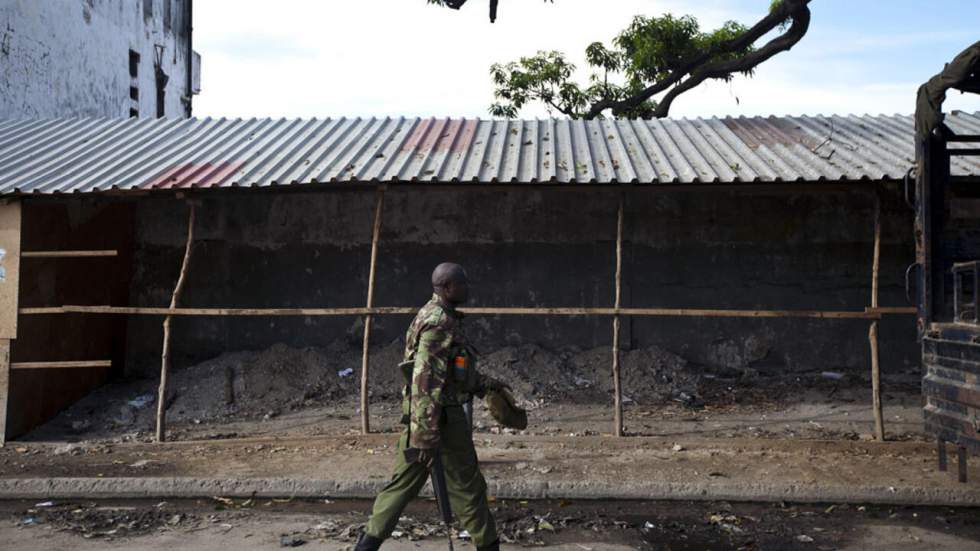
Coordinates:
(4,387)
(9,268)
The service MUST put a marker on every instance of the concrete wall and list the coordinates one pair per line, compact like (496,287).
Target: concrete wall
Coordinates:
(61,58)
(535,247)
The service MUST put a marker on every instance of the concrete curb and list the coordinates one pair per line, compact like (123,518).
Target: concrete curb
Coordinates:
(181,487)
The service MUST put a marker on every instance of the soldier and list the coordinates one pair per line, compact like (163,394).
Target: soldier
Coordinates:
(440,366)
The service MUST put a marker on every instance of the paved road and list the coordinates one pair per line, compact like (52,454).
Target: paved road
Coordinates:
(239,525)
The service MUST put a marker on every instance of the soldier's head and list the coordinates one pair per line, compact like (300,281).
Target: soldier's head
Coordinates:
(449,281)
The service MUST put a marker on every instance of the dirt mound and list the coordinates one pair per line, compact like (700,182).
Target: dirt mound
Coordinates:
(255,385)
(649,374)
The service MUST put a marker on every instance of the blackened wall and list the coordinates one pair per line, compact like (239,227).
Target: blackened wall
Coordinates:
(36,395)
(710,248)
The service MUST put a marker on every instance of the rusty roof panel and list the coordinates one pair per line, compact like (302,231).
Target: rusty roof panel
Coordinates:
(91,155)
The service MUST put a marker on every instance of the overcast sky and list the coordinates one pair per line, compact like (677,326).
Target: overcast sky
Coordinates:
(316,58)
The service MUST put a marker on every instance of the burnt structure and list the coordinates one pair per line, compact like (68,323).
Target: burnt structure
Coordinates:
(743,241)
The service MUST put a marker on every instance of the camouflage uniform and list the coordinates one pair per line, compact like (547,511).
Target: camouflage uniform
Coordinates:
(432,408)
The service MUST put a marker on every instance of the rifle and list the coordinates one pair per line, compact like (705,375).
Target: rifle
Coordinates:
(439,488)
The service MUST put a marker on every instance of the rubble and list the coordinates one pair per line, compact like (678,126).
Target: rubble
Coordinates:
(291,541)
(91,521)
(585,525)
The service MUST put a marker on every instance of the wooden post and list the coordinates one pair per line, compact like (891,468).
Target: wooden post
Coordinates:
(941,453)
(873,330)
(961,458)
(165,355)
(365,360)
(617,380)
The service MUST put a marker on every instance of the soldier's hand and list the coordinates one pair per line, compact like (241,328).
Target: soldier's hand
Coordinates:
(494,384)
(426,457)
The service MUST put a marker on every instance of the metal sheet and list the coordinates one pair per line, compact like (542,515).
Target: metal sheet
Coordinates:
(952,390)
(91,155)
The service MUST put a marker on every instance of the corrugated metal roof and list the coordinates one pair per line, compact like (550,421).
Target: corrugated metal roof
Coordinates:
(87,155)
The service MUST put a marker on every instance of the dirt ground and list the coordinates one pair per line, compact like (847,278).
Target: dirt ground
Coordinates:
(226,524)
(285,391)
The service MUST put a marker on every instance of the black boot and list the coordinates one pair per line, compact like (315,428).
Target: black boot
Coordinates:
(367,543)
(495,546)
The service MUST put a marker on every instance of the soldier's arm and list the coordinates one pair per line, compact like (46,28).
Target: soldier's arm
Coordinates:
(485,383)
(481,383)
(428,381)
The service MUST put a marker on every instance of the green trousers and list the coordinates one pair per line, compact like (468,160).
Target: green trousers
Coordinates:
(465,483)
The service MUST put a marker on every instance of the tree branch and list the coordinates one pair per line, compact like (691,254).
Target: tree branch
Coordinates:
(725,68)
(971,85)
(699,68)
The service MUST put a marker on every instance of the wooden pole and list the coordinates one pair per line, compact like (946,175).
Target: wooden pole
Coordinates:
(617,380)
(165,355)
(365,359)
(873,330)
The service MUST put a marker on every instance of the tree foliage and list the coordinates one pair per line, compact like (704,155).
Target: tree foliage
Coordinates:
(645,68)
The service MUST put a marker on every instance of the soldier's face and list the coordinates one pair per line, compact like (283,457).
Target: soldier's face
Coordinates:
(458,290)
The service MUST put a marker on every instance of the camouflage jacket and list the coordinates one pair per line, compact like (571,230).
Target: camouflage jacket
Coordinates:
(434,338)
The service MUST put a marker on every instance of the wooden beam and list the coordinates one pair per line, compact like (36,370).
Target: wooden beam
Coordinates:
(892,310)
(675,312)
(617,379)
(365,360)
(234,312)
(161,433)
(68,254)
(61,365)
(42,310)
(873,330)
(868,313)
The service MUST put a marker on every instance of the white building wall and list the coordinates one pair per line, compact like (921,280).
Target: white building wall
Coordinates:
(61,58)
